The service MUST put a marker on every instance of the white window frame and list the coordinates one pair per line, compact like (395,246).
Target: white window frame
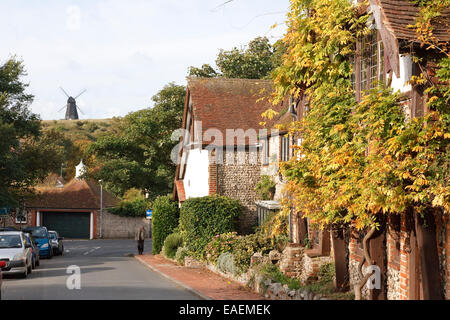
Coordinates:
(21,221)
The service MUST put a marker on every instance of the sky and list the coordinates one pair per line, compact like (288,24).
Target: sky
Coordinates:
(123,52)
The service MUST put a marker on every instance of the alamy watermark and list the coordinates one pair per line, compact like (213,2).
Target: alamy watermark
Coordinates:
(374,281)
(73,282)
(73,21)
(224,144)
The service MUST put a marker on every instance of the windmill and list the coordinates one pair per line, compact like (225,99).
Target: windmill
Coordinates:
(71,107)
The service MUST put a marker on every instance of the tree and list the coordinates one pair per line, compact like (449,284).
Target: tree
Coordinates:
(138,156)
(206,71)
(26,157)
(255,61)
(361,162)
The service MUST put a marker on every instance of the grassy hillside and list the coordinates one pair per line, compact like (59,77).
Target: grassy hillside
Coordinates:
(89,129)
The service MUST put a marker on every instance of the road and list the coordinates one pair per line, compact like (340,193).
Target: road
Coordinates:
(108,272)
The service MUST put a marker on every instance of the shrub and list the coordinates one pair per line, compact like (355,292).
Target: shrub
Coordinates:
(182,252)
(265,188)
(135,208)
(203,218)
(225,263)
(246,246)
(171,244)
(91,126)
(272,272)
(220,244)
(275,224)
(165,220)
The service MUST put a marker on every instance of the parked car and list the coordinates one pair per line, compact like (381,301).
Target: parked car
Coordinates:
(34,250)
(40,234)
(56,242)
(2,265)
(16,252)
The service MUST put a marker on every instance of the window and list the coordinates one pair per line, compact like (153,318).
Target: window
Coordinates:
(285,148)
(368,63)
(21,217)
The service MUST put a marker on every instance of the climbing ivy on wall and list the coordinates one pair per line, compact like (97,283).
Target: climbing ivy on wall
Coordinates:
(359,159)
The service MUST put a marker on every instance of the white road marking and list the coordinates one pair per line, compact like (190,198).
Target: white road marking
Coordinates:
(90,251)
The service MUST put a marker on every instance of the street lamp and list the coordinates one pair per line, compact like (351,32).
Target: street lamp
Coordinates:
(101,208)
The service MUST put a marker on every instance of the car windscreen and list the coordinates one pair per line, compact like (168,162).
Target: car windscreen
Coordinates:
(38,233)
(10,241)
(52,235)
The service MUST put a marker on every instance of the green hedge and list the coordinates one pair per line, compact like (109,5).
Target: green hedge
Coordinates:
(203,218)
(171,244)
(164,220)
(135,208)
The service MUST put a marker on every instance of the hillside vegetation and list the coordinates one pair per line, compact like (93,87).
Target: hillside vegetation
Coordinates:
(73,137)
(86,129)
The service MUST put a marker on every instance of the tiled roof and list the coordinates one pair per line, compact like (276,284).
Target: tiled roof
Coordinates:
(401,13)
(223,103)
(77,194)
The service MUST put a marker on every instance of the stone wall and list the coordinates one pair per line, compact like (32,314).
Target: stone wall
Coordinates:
(10,220)
(237,178)
(117,227)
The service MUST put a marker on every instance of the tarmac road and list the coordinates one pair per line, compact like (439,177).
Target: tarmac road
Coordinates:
(107,272)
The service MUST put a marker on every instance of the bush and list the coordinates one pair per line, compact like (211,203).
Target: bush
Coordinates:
(219,244)
(266,188)
(225,263)
(272,272)
(203,218)
(182,252)
(171,244)
(135,208)
(246,246)
(275,224)
(165,220)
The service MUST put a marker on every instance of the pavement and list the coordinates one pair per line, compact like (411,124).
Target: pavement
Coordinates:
(199,281)
(108,271)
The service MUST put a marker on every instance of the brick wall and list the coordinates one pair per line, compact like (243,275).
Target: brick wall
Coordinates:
(393,258)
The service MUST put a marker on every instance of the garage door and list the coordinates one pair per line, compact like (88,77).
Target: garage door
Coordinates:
(74,225)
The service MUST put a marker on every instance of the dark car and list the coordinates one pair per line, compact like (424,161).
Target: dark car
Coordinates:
(40,234)
(56,242)
(8,229)
(35,250)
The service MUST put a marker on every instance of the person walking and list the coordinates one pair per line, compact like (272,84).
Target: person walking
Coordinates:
(140,237)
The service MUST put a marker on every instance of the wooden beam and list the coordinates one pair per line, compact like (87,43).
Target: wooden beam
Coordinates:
(429,258)
(340,260)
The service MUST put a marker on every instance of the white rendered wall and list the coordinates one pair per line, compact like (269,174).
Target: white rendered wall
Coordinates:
(401,83)
(196,176)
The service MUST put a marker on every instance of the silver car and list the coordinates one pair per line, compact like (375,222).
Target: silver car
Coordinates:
(16,252)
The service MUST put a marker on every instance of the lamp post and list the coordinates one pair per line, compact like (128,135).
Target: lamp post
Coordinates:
(101,208)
